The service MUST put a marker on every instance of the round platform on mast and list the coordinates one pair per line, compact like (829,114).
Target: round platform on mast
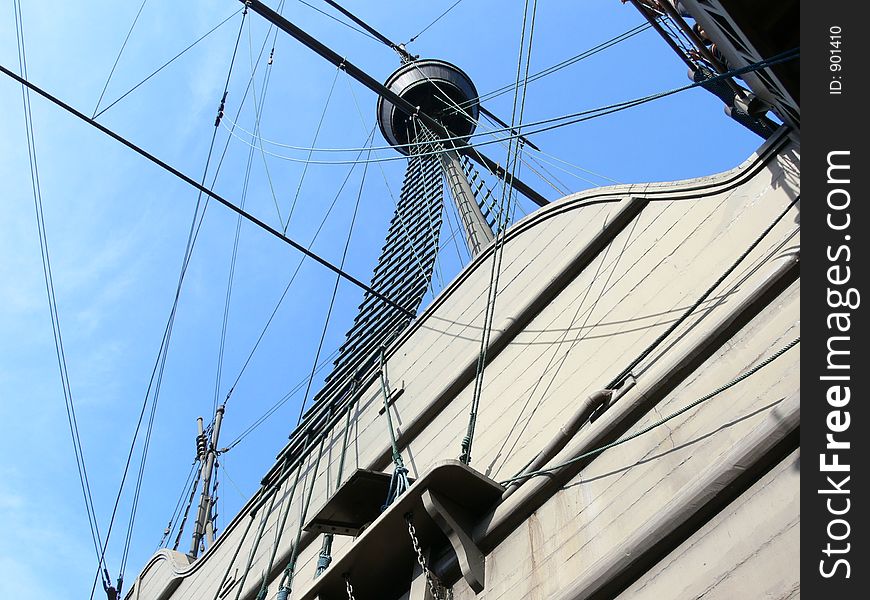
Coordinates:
(441,90)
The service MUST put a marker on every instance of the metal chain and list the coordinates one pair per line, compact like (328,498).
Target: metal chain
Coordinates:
(438,589)
(349,588)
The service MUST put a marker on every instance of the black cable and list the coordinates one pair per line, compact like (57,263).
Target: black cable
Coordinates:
(166,64)
(745,375)
(284,399)
(230,280)
(160,363)
(187,179)
(587,115)
(52,299)
(334,18)
(118,58)
(334,291)
(293,276)
(501,232)
(569,119)
(188,254)
(190,498)
(313,142)
(438,18)
(176,512)
(679,321)
(565,63)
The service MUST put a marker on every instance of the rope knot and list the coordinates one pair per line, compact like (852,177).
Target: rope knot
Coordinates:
(323,561)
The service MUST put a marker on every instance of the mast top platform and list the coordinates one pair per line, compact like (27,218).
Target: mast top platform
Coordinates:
(439,89)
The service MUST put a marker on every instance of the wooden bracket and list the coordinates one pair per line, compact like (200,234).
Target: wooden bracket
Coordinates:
(455,523)
(446,501)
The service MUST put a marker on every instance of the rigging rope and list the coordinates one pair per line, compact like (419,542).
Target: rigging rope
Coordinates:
(189,253)
(280,530)
(166,64)
(248,88)
(399,481)
(618,380)
(118,58)
(455,230)
(314,141)
(211,193)
(289,394)
(52,303)
(159,366)
(242,538)
(176,512)
(326,361)
(258,109)
(450,103)
(345,23)
(230,279)
(438,18)
(499,242)
(427,277)
(334,291)
(260,534)
(264,519)
(539,126)
(242,496)
(325,557)
(290,569)
(561,65)
(746,374)
(292,279)
(187,509)
(426,136)
(558,345)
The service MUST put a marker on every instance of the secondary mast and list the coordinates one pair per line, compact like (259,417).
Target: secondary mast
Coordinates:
(207,453)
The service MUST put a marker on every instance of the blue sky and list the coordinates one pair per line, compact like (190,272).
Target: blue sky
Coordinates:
(117,227)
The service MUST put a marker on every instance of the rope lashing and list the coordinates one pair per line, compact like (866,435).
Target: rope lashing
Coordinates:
(399,484)
(284,588)
(290,569)
(324,559)
(220,111)
(399,481)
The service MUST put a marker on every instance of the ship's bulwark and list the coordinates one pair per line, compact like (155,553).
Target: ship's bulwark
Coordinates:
(704,505)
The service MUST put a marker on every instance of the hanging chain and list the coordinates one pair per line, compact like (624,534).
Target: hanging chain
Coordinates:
(438,589)
(349,588)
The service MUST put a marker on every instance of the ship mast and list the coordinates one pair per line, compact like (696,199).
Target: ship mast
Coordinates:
(383,91)
(207,454)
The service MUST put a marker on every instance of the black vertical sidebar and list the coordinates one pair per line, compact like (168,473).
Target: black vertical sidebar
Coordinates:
(835,368)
